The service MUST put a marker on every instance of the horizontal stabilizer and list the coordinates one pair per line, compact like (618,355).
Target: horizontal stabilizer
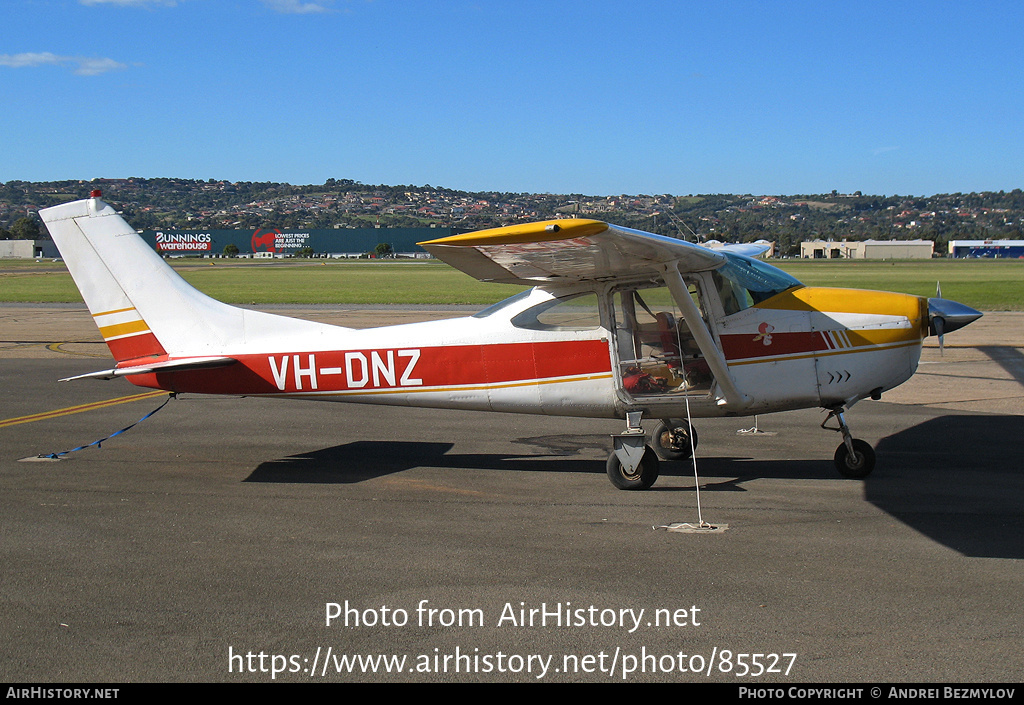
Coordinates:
(193,363)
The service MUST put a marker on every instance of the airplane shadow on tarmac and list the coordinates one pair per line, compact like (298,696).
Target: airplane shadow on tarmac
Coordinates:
(364,460)
(956,479)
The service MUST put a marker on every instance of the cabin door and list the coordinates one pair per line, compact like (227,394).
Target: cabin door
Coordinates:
(657,354)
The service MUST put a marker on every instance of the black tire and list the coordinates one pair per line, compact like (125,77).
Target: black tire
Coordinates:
(645,476)
(858,465)
(679,431)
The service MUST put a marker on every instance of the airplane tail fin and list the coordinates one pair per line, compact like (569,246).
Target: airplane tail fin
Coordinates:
(143,308)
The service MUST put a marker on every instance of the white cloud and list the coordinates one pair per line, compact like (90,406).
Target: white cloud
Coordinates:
(291,7)
(130,3)
(94,67)
(30,59)
(84,66)
(295,7)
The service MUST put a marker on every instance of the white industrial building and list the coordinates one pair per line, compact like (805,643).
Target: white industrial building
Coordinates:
(868,249)
(27,249)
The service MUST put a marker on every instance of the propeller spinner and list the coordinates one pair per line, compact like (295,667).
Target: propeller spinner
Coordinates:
(945,316)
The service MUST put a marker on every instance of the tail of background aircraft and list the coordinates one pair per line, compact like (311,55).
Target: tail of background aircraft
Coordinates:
(143,308)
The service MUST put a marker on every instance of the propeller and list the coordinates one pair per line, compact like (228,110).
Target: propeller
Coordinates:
(945,316)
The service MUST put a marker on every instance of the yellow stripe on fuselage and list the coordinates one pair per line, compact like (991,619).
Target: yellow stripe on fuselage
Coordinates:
(864,302)
(122,329)
(881,336)
(110,313)
(830,300)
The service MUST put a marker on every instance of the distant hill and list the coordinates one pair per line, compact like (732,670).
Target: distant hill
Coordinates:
(786,220)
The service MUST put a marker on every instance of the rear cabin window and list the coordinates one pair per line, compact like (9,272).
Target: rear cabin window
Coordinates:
(578,312)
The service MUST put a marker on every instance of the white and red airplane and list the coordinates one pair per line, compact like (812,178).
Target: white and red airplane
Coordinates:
(619,324)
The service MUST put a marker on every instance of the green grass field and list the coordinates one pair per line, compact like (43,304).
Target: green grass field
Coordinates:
(988,285)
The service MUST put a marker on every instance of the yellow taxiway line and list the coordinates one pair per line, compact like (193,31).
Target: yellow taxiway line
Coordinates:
(80,408)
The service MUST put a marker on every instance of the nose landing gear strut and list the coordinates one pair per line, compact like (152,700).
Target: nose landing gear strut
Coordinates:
(854,458)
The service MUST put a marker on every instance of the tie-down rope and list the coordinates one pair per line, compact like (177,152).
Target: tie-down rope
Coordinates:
(57,456)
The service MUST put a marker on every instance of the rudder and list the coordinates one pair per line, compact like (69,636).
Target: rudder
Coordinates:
(124,330)
(143,308)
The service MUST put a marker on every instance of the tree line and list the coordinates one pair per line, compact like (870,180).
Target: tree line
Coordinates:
(786,220)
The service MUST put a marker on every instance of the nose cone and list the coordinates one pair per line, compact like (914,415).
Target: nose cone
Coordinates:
(945,315)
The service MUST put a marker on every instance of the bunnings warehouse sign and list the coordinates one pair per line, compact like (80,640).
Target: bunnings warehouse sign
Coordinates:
(278,241)
(183,242)
(202,242)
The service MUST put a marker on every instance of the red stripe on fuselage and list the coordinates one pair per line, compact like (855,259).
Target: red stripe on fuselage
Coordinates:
(134,346)
(405,368)
(746,346)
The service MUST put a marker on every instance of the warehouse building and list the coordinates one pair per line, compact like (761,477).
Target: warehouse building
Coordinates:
(274,242)
(987,248)
(27,249)
(868,249)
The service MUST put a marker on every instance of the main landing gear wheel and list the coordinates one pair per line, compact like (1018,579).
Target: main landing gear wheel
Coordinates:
(672,439)
(640,479)
(858,464)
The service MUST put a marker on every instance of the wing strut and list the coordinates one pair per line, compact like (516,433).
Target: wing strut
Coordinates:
(734,398)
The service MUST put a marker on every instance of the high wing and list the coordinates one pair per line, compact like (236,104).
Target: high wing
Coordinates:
(570,250)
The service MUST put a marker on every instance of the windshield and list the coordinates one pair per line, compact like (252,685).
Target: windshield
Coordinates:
(743,282)
(756,276)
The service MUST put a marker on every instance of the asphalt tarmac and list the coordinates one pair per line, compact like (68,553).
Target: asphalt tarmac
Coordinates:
(242,540)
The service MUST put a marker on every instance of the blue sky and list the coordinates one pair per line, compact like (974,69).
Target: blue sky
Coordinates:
(559,96)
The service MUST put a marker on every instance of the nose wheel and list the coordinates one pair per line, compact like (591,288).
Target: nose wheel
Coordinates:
(854,458)
(639,475)
(632,465)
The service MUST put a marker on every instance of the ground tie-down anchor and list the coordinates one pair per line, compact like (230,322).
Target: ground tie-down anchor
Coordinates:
(701,527)
(682,527)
